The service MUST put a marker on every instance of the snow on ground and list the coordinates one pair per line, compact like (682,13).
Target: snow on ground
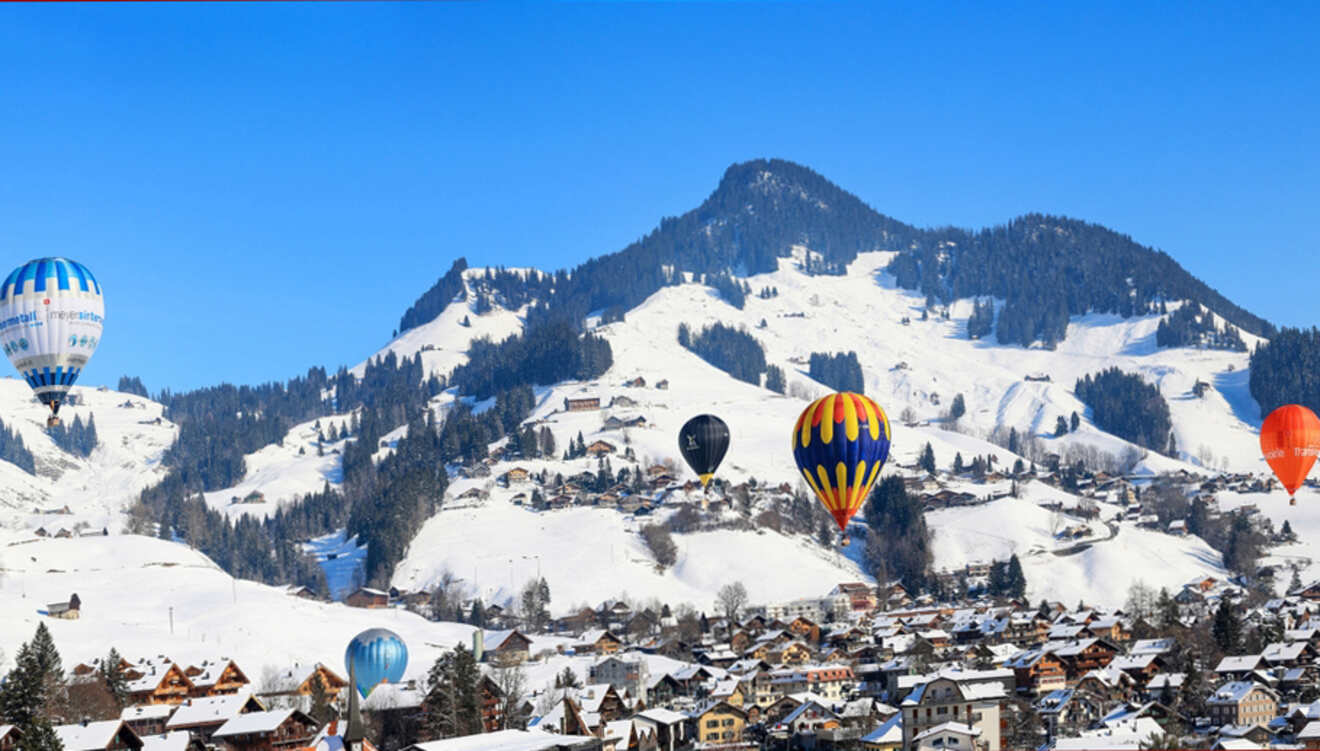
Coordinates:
(1099,572)
(284,472)
(95,489)
(1304,518)
(341,559)
(588,555)
(128,586)
(443,342)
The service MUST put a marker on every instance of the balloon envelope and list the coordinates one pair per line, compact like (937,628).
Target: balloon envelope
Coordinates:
(1290,440)
(51,314)
(376,655)
(840,442)
(703,441)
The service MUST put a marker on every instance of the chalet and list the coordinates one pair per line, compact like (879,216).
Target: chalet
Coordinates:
(720,723)
(216,678)
(668,727)
(1240,667)
(636,383)
(1310,592)
(68,611)
(515,475)
(509,647)
(806,629)
(616,423)
(600,448)
(41,532)
(63,534)
(305,680)
(1037,671)
(947,700)
(106,735)
(1242,703)
(303,591)
(158,683)
(662,689)
(148,719)
(491,698)
(1178,527)
(808,717)
(887,737)
(202,717)
(861,596)
(584,404)
(1141,667)
(662,384)
(9,737)
(623,401)
(365,597)
(265,731)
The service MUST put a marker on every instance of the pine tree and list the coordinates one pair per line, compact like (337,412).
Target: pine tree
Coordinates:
(957,463)
(1167,610)
(1017,581)
(477,616)
(1060,427)
(39,735)
(1226,628)
(112,672)
(1074,422)
(927,461)
(958,408)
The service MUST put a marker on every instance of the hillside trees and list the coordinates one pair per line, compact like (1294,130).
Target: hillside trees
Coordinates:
(1286,370)
(1125,405)
(13,451)
(132,385)
(732,350)
(76,438)
(840,371)
(898,546)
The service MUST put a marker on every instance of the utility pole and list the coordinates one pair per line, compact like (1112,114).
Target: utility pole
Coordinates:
(171,620)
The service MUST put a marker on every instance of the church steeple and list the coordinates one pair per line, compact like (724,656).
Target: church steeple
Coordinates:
(356,733)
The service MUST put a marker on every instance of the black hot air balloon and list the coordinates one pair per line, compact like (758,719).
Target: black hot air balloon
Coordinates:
(703,441)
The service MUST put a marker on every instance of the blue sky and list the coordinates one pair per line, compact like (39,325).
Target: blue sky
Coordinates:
(264,187)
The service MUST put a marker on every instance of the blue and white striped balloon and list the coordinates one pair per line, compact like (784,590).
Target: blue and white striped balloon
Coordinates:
(51,315)
(375,656)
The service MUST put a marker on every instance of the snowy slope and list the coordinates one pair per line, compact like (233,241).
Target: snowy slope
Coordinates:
(95,489)
(588,555)
(128,586)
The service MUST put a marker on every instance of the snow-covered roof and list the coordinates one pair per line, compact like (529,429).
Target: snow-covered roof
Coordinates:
(1233,692)
(208,711)
(1151,646)
(253,722)
(802,708)
(1279,652)
(662,716)
(891,731)
(173,741)
(147,712)
(504,740)
(93,736)
(949,727)
(1238,664)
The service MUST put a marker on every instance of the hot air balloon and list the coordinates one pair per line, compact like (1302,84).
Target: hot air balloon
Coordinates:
(1290,440)
(840,442)
(703,441)
(51,312)
(374,656)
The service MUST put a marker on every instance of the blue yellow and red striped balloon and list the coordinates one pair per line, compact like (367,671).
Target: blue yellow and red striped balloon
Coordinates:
(840,442)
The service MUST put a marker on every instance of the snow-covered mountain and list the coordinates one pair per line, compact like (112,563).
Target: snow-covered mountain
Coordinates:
(912,367)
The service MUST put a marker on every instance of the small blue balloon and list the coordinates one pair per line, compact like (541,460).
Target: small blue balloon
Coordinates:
(374,656)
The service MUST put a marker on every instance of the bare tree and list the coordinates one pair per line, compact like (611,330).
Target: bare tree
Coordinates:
(512,682)
(732,598)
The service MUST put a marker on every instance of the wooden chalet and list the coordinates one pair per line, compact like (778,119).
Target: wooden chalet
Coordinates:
(600,448)
(216,678)
(598,642)
(806,629)
(68,610)
(9,737)
(267,731)
(491,698)
(509,647)
(147,719)
(106,735)
(158,683)
(582,404)
(366,597)
(202,717)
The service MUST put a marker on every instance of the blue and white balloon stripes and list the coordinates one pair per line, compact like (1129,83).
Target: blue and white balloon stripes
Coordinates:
(51,316)
(376,655)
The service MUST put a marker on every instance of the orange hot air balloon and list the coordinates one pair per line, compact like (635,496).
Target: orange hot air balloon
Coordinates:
(1290,440)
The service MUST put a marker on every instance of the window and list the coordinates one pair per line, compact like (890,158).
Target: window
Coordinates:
(728,723)
(712,723)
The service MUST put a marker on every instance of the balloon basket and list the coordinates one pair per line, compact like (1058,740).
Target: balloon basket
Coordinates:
(52,421)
